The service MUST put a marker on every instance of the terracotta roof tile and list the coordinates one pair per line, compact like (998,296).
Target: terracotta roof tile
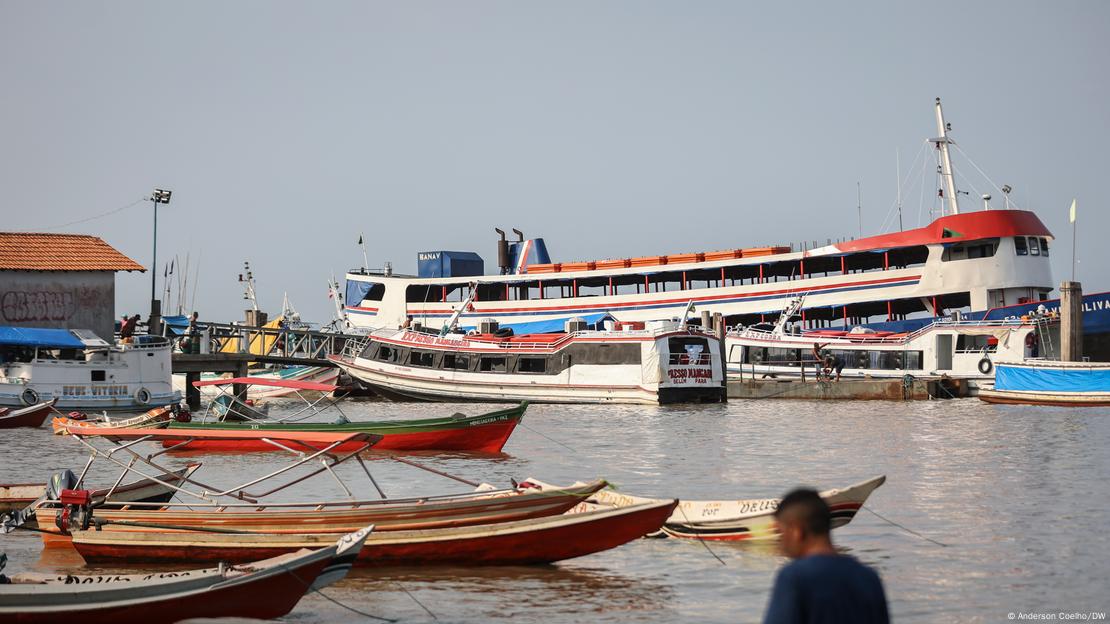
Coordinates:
(30,251)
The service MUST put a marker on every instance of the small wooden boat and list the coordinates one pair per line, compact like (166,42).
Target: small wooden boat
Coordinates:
(157,417)
(736,519)
(485,433)
(30,416)
(523,542)
(19,495)
(432,512)
(303,440)
(1044,382)
(264,589)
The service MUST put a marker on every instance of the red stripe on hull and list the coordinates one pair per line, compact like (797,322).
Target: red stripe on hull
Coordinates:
(546,545)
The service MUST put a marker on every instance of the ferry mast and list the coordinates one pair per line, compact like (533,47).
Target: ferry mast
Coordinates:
(942,142)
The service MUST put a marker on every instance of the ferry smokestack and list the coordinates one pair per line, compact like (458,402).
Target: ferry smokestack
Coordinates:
(519,234)
(502,252)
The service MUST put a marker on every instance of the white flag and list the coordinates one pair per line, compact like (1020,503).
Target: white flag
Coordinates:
(1071,213)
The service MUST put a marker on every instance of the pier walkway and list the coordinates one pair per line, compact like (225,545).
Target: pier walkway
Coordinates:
(230,348)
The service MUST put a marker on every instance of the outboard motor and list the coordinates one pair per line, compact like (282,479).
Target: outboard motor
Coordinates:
(76,509)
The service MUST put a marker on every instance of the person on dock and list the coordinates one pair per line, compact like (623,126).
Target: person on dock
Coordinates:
(827,361)
(821,585)
(127,328)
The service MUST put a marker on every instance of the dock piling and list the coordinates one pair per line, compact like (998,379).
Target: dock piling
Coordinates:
(1071,321)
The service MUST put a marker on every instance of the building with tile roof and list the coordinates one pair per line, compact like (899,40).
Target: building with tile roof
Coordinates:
(60,280)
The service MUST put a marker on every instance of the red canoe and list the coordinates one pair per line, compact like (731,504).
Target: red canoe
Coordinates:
(485,433)
(523,542)
(260,590)
(30,416)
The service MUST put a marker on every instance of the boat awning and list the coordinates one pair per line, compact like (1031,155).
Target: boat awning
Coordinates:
(177,324)
(39,337)
(551,326)
(292,384)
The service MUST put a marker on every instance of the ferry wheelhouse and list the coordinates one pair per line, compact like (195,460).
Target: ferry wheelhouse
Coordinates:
(645,363)
(961,261)
(82,371)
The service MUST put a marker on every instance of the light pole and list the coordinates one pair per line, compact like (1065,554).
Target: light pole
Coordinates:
(159,196)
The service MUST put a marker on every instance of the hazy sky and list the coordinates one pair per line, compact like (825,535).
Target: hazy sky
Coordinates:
(609,128)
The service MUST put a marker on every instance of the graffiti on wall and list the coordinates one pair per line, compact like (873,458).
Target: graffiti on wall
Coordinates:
(27,306)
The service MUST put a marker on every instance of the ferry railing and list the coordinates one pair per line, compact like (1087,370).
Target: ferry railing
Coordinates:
(763,334)
(564,338)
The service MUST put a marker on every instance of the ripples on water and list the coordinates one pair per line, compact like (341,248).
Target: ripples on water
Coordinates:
(1020,495)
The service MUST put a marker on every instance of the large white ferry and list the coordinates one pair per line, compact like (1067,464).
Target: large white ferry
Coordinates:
(967,261)
(82,371)
(965,349)
(652,363)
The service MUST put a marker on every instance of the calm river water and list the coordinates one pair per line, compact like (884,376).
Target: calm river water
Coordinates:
(1020,496)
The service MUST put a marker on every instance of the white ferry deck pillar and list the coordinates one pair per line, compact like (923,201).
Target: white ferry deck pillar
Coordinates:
(1071,322)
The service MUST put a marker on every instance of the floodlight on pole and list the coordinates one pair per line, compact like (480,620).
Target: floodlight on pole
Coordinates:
(159,196)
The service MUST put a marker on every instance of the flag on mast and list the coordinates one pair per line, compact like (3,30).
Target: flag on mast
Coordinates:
(360,239)
(1071,213)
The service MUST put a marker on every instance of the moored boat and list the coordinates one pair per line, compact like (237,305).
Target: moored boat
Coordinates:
(17,496)
(522,542)
(82,371)
(734,520)
(152,418)
(31,416)
(1044,382)
(660,362)
(396,514)
(264,589)
(485,433)
(960,349)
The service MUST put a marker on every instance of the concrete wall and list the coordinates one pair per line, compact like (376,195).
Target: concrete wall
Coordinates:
(65,299)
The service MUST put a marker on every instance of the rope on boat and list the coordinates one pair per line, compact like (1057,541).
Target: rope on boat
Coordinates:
(336,602)
(434,471)
(541,434)
(907,530)
(352,609)
(429,611)
(698,534)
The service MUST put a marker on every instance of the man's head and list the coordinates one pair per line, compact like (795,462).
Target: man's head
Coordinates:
(804,521)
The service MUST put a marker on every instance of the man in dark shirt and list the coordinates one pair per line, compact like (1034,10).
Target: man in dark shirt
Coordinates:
(820,586)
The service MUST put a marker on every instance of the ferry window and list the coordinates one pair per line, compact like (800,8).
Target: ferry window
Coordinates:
(1044,247)
(975,249)
(688,350)
(782,357)
(1020,247)
(387,354)
(97,375)
(531,365)
(421,358)
(492,365)
(1034,246)
(457,362)
(912,360)
(976,344)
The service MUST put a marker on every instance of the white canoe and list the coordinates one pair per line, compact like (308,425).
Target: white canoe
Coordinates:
(746,519)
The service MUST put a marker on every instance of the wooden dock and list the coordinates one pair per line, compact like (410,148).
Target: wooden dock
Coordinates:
(228,348)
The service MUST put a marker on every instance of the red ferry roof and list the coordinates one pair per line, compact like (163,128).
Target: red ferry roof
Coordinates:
(266,381)
(965,226)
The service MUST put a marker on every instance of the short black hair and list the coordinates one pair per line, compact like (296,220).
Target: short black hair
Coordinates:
(807,506)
